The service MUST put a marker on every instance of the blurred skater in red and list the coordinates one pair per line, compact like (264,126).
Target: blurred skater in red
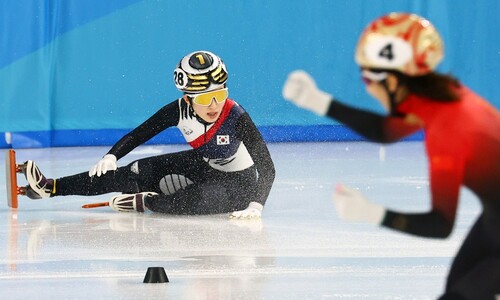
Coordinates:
(397,55)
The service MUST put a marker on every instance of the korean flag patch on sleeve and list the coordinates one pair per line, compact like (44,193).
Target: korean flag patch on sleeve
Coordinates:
(222,139)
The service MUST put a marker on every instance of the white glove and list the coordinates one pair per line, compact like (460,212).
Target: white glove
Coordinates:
(254,210)
(107,163)
(301,89)
(352,206)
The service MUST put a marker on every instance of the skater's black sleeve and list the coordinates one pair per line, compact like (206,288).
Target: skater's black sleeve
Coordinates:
(432,224)
(167,116)
(248,133)
(374,127)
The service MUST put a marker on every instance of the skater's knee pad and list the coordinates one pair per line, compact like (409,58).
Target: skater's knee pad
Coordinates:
(173,183)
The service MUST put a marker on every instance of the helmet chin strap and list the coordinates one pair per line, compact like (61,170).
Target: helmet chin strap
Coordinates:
(192,112)
(392,98)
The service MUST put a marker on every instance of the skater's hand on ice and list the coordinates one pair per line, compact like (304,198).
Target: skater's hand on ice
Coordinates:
(107,163)
(254,210)
(301,89)
(352,206)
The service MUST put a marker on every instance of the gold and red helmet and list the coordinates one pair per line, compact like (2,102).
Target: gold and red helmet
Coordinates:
(402,42)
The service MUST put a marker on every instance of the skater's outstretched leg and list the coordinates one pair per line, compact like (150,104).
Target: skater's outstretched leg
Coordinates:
(121,180)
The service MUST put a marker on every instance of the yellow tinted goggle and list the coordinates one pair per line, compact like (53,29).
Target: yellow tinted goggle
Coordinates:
(205,99)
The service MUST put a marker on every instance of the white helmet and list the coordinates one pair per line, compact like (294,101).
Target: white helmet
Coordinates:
(200,72)
(400,41)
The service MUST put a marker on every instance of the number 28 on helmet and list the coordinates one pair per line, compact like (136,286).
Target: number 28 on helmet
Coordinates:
(401,42)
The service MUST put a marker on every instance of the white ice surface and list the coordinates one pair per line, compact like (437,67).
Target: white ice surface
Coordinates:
(54,249)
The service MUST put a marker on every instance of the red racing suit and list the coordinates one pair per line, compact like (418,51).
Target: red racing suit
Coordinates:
(462,140)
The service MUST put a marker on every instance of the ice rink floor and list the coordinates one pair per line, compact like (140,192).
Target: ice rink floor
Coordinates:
(54,249)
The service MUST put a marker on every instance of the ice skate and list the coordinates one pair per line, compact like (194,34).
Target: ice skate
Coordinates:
(38,186)
(130,202)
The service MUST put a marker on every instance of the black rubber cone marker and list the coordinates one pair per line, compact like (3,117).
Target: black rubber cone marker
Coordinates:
(155,275)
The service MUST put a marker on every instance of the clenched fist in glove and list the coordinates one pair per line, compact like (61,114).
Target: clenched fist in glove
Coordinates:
(254,210)
(352,206)
(107,163)
(301,89)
